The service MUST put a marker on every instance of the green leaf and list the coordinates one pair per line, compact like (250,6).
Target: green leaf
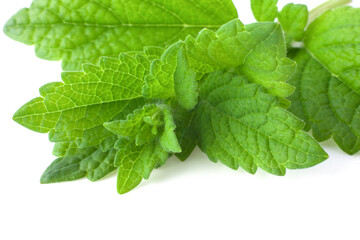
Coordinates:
(63,149)
(98,164)
(264,10)
(226,48)
(256,50)
(171,77)
(95,164)
(160,82)
(328,78)
(82,31)
(75,109)
(145,120)
(137,162)
(145,124)
(185,131)
(266,64)
(168,139)
(327,104)
(185,82)
(331,40)
(242,126)
(293,19)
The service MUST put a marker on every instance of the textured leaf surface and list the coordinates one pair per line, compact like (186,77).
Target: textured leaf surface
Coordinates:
(75,109)
(171,76)
(149,117)
(89,162)
(257,50)
(264,10)
(168,139)
(240,125)
(146,124)
(82,31)
(327,104)
(98,164)
(266,64)
(185,131)
(333,39)
(328,78)
(293,19)
(137,162)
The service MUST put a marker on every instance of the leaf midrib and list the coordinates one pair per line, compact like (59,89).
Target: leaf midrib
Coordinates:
(238,120)
(170,25)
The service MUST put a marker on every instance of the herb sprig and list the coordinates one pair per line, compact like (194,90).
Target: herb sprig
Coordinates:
(141,86)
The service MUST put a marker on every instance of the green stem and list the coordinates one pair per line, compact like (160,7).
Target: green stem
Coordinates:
(331,4)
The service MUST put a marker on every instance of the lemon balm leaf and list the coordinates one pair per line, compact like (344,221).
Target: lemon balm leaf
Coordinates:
(242,126)
(78,32)
(328,78)
(264,10)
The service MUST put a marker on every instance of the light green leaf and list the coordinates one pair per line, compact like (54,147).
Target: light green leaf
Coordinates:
(185,82)
(328,78)
(168,139)
(226,48)
(171,76)
(266,64)
(242,126)
(264,10)
(293,19)
(137,162)
(82,31)
(160,82)
(75,109)
(332,40)
(256,50)
(145,120)
(145,124)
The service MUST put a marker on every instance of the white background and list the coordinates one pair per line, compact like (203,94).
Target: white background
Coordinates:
(196,199)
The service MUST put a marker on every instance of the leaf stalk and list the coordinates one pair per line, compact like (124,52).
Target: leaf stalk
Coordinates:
(331,4)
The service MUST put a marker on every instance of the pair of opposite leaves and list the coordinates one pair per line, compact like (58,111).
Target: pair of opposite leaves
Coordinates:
(248,147)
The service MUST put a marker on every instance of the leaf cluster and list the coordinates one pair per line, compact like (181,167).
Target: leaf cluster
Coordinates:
(163,80)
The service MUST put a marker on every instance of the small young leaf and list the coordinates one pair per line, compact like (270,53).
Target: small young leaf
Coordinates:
(240,125)
(293,19)
(134,122)
(168,139)
(264,10)
(145,124)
